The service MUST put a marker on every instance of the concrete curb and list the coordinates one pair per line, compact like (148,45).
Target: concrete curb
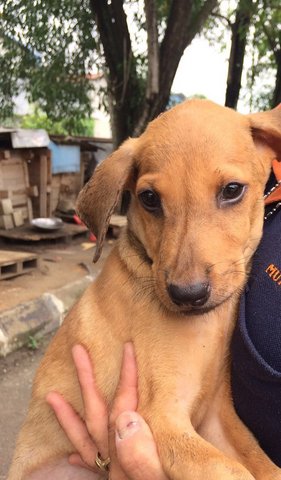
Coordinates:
(39,316)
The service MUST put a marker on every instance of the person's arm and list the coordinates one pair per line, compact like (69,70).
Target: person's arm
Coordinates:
(136,449)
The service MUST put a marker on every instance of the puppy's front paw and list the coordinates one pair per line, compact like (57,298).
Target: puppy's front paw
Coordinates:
(230,472)
(272,476)
(212,470)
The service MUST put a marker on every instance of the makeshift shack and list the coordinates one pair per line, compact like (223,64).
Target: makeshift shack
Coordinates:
(74,159)
(25,175)
(41,175)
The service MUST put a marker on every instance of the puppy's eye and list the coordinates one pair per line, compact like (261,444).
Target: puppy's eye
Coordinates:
(232,193)
(150,200)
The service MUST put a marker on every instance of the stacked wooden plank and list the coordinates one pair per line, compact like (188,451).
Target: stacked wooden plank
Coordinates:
(16,263)
(14,183)
(40,175)
(9,218)
(25,184)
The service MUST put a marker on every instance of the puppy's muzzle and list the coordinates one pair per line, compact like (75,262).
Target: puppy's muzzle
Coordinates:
(195,295)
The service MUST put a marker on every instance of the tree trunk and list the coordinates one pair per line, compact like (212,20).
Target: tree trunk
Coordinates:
(181,29)
(122,83)
(133,104)
(240,30)
(277,89)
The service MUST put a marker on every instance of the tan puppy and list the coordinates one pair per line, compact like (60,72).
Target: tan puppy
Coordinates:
(171,285)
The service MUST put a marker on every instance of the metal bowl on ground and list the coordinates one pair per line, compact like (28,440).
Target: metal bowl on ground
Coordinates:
(52,223)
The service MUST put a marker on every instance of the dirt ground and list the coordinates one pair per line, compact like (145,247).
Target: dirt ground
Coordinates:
(60,264)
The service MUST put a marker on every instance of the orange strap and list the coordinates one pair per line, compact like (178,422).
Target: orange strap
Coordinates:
(276,166)
(275,196)
(277,169)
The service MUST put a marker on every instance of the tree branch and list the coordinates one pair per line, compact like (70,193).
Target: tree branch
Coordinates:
(178,36)
(152,49)
(114,34)
(200,19)
(174,39)
(276,100)
(222,17)
(272,43)
(121,26)
(240,29)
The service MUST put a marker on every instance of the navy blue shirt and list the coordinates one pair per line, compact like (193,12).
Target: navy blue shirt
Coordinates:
(256,345)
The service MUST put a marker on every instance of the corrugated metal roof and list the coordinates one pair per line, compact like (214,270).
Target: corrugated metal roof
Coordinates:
(25,138)
(7,130)
(85,143)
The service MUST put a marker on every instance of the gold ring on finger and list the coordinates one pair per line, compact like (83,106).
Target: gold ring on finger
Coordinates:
(101,463)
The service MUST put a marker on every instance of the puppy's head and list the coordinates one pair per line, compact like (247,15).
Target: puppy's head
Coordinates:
(196,178)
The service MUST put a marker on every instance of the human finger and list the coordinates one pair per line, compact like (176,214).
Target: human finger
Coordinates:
(76,460)
(136,450)
(96,414)
(75,429)
(127,394)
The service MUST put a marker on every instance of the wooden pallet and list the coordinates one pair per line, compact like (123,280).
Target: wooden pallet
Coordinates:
(27,233)
(16,263)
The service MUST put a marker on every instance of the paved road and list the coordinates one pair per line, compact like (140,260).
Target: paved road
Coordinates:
(16,375)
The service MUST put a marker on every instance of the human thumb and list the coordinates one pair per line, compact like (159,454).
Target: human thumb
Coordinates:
(136,449)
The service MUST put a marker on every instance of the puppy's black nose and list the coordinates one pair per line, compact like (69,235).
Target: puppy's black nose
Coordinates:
(195,294)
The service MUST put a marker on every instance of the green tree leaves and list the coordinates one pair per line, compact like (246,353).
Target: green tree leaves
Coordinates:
(48,50)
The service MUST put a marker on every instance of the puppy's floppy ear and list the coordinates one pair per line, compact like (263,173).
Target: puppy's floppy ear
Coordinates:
(266,130)
(99,197)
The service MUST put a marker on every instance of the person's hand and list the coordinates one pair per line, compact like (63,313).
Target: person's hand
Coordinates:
(135,446)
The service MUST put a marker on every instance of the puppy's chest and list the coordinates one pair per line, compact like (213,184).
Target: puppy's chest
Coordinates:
(181,363)
(179,357)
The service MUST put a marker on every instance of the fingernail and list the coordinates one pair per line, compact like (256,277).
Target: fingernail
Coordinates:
(126,425)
